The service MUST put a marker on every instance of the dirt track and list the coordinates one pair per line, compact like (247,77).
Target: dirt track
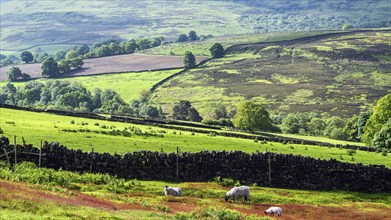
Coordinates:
(110,64)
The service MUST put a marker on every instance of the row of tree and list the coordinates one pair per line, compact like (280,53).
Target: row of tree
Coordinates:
(372,128)
(192,36)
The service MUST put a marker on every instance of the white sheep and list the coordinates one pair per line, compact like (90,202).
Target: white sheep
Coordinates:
(240,191)
(174,191)
(274,210)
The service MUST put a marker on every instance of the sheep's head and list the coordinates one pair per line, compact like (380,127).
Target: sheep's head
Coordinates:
(226,198)
(165,187)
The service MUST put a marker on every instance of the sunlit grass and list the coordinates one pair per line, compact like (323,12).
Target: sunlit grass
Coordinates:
(71,132)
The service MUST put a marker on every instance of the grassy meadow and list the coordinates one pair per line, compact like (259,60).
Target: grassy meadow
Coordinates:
(128,85)
(105,136)
(39,193)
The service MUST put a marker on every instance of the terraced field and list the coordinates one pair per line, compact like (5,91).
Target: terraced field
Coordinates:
(340,75)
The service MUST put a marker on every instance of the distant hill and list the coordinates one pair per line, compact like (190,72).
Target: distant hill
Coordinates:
(47,26)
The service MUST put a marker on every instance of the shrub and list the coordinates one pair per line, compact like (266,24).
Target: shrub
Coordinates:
(350,152)
(163,208)
(226,181)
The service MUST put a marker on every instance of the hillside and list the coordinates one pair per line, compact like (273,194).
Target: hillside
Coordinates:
(47,26)
(336,74)
(110,136)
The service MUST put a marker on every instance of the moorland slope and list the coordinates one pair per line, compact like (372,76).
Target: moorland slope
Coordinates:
(338,74)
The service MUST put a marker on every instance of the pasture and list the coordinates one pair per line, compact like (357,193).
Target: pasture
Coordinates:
(106,136)
(201,48)
(110,64)
(102,196)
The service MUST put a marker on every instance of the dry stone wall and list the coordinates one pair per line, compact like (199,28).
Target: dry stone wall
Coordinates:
(287,171)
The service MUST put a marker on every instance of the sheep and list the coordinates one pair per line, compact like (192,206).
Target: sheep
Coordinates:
(240,191)
(274,210)
(174,191)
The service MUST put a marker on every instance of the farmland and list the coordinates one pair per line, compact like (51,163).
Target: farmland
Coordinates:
(94,196)
(81,133)
(110,64)
(296,106)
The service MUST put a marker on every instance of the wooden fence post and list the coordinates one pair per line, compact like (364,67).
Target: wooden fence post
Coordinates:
(16,157)
(270,170)
(92,155)
(40,155)
(6,155)
(177,164)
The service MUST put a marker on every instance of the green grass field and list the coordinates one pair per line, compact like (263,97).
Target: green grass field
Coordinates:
(87,134)
(128,85)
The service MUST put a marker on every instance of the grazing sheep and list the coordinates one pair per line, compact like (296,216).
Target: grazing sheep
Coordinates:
(174,191)
(274,210)
(240,191)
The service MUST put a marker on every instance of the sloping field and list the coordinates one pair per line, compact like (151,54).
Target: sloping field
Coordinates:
(147,201)
(107,136)
(340,75)
(110,64)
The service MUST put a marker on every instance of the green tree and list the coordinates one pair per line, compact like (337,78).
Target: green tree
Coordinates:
(103,51)
(193,115)
(143,44)
(180,110)
(189,61)
(381,114)
(217,50)
(185,111)
(71,54)
(316,126)
(192,36)
(252,116)
(59,55)
(116,49)
(128,46)
(382,138)
(181,38)
(76,63)
(49,67)
(83,50)
(296,123)
(149,111)
(346,27)
(26,56)
(14,73)
(41,57)
(334,128)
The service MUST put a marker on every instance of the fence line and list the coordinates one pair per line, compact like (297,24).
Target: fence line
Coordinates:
(265,169)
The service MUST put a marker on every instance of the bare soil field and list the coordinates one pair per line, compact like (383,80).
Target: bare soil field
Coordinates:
(110,64)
